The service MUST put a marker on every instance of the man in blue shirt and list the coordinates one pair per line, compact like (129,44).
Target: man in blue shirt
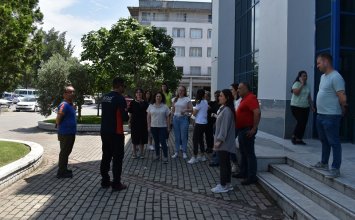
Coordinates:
(114,113)
(331,105)
(66,123)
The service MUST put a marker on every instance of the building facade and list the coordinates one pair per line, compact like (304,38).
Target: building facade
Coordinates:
(273,40)
(190,25)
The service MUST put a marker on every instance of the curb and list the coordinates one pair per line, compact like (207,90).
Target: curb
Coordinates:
(14,171)
(80,127)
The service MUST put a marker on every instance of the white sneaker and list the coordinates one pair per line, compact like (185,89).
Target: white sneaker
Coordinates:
(151,147)
(175,155)
(201,158)
(192,160)
(184,155)
(234,168)
(219,189)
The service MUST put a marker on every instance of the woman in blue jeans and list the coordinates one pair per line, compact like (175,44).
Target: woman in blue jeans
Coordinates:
(182,107)
(159,124)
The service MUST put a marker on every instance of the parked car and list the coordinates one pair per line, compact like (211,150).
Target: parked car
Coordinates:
(27,104)
(27,92)
(89,100)
(17,99)
(5,102)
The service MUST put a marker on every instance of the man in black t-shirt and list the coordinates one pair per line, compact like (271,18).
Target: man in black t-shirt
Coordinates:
(114,113)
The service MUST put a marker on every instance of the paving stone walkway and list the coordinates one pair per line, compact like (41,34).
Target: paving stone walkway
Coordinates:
(176,190)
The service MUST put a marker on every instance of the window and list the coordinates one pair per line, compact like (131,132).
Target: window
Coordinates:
(209,33)
(209,51)
(179,51)
(179,32)
(145,16)
(209,70)
(180,69)
(210,18)
(196,33)
(195,51)
(160,16)
(195,70)
(181,16)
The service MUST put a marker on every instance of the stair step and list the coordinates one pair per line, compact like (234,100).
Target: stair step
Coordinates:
(339,183)
(296,205)
(341,205)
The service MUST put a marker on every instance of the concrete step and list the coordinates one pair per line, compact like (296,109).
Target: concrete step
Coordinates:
(341,184)
(341,205)
(295,204)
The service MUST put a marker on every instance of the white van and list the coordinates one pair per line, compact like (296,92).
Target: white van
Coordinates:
(27,92)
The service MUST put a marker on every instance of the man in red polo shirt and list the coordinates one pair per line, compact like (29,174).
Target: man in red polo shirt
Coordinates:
(248,118)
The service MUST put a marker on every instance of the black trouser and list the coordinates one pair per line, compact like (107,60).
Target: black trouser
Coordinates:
(112,150)
(224,167)
(301,116)
(209,136)
(197,138)
(66,143)
(247,150)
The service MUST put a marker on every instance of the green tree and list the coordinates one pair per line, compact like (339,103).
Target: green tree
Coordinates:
(142,55)
(55,42)
(52,78)
(18,21)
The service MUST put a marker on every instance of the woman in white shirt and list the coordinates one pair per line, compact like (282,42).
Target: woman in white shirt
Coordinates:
(200,113)
(182,106)
(159,124)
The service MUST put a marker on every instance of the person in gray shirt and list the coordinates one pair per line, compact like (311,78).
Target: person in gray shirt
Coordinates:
(331,106)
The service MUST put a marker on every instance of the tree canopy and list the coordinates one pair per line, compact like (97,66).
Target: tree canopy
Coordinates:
(19,39)
(142,55)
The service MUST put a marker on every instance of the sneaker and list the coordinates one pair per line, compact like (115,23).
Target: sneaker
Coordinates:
(229,187)
(234,168)
(192,160)
(175,155)
(202,158)
(219,189)
(134,156)
(118,187)
(142,156)
(184,155)
(165,160)
(320,166)
(151,147)
(333,173)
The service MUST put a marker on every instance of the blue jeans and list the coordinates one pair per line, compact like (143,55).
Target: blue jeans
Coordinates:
(159,136)
(181,129)
(328,127)
(248,163)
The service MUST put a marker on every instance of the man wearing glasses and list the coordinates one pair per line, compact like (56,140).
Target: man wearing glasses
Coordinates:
(66,124)
(114,113)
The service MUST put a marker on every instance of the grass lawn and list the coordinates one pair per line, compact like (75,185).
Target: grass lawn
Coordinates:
(85,119)
(11,151)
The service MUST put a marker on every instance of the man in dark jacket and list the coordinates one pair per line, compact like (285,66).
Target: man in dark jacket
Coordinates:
(114,113)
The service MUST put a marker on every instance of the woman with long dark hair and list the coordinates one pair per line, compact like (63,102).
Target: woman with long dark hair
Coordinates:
(159,124)
(138,122)
(200,113)
(182,106)
(224,140)
(301,102)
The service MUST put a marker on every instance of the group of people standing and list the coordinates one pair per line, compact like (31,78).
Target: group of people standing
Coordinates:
(234,113)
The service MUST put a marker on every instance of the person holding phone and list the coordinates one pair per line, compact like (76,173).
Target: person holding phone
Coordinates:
(301,102)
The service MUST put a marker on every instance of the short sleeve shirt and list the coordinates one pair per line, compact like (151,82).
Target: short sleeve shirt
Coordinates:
(300,100)
(68,124)
(245,114)
(327,99)
(201,117)
(181,105)
(158,115)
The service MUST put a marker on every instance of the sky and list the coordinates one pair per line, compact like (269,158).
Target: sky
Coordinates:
(78,17)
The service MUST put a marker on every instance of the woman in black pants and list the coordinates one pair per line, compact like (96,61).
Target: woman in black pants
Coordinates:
(301,102)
